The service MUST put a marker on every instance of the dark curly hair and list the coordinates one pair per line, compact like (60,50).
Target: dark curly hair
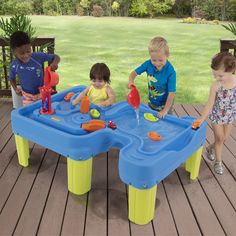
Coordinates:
(19,38)
(225,61)
(100,71)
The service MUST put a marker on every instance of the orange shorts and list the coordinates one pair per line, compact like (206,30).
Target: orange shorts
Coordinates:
(29,98)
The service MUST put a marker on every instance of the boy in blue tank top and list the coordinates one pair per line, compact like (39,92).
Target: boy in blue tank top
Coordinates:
(161,77)
(28,66)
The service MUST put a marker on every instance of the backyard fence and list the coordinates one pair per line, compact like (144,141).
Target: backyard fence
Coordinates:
(228,45)
(38,44)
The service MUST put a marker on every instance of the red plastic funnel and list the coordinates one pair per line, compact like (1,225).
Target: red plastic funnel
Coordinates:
(133,97)
(51,78)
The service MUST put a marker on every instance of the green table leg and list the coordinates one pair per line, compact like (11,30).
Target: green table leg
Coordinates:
(79,175)
(22,147)
(142,204)
(192,165)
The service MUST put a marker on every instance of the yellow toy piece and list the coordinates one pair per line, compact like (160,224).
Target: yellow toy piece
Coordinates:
(150,117)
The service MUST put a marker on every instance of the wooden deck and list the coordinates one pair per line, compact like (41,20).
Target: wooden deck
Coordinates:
(35,200)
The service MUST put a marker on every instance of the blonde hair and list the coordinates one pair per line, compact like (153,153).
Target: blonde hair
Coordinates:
(157,44)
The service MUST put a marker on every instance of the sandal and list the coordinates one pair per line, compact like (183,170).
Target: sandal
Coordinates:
(218,167)
(210,155)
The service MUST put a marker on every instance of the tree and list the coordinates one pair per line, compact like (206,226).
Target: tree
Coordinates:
(115,6)
(151,7)
(85,4)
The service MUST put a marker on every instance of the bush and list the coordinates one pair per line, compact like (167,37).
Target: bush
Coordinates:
(79,10)
(51,7)
(194,20)
(97,11)
(190,20)
(17,7)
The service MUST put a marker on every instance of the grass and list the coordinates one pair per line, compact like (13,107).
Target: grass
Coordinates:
(122,44)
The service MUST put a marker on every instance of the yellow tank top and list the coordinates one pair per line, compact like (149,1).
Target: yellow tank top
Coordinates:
(97,96)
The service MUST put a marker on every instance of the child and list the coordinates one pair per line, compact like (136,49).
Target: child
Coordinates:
(28,66)
(221,105)
(99,91)
(161,77)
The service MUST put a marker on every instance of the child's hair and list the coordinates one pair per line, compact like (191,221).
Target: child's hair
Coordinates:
(100,71)
(157,44)
(225,61)
(19,38)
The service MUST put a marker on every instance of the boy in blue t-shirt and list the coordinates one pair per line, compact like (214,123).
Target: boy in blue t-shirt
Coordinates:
(28,66)
(161,77)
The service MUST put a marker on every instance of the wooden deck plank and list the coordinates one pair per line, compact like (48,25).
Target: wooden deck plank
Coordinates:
(97,199)
(75,215)
(163,221)
(5,116)
(7,154)
(16,201)
(117,199)
(185,221)
(5,136)
(219,200)
(52,218)
(38,195)
(200,205)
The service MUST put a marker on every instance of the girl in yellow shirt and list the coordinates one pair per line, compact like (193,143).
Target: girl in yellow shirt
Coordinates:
(99,91)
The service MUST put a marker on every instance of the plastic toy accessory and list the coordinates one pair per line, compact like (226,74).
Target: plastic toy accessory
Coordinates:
(94,113)
(51,78)
(150,117)
(133,97)
(154,136)
(84,105)
(68,96)
(93,125)
(196,125)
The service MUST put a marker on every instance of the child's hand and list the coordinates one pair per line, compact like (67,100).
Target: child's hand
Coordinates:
(18,92)
(104,104)
(162,114)
(54,66)
(129,84)
(72,106)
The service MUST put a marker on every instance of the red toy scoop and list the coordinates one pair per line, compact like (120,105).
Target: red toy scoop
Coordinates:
(133,97)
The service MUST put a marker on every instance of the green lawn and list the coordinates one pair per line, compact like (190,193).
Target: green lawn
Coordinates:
(122,44)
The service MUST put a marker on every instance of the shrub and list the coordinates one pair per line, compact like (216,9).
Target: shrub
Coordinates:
(79,10)
(97,11)
(51,7)
(190,20)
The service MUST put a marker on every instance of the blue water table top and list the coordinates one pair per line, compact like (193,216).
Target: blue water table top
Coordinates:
(142,162)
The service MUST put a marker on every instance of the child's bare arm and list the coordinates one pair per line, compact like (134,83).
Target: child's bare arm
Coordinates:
(111,97)
(14,86)
(55,62)
(210,102)
(80,96)
(168,104)
(132,77)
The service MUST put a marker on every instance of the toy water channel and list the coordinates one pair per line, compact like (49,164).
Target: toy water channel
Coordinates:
(143,162)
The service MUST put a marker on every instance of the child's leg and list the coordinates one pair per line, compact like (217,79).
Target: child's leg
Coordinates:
(221,133)
(227,130)
(219,140)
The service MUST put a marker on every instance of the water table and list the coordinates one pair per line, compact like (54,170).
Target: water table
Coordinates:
(143,163)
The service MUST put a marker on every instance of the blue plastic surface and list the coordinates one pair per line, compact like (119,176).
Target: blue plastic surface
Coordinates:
(142,162)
